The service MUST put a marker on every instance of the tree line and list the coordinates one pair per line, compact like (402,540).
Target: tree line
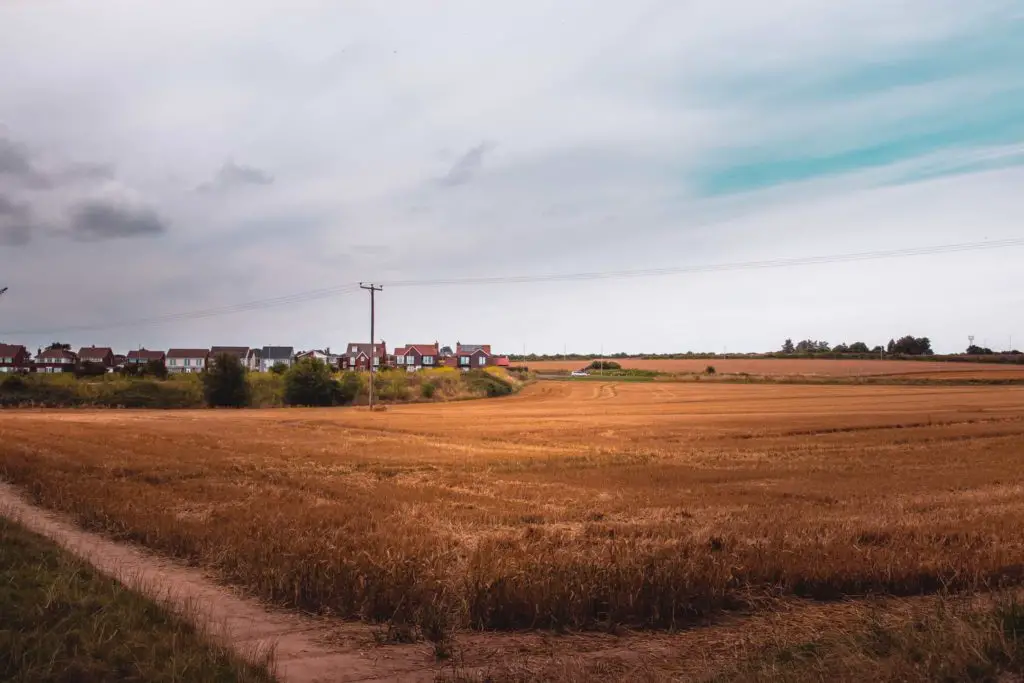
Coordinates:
(904,346)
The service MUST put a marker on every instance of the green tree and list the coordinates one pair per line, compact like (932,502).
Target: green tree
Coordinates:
(840,348)
(913,346)
(787,346)
(973,350)
(348,387)
(279,368)
(224,382)
(309,383)
(59,345)
(155,368)
(859,347)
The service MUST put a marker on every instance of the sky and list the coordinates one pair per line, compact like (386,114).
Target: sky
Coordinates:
(195,174)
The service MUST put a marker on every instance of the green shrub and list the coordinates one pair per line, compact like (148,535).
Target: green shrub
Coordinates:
(427,390)
(224,382)
(392,385)
(709,370)
(347,388)
(279,368)
(88,369)
(604,365)
(148,393)
(14,383)
(480,382)
(266,390)
(309,383)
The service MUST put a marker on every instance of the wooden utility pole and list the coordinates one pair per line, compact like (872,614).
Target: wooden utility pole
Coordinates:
(372,289)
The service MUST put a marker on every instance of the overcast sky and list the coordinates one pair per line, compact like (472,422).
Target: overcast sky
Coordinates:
(165,158)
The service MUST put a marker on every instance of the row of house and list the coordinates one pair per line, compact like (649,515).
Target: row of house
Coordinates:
(358,356)
(413,357)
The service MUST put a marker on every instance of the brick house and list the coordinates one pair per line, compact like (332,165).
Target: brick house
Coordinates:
(414,357)
(357,356)
(187,360)
(144,357)
(97,355)
(55,360)
(14,358)
(470,356)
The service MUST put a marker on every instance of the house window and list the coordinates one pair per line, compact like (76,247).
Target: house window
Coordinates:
(199,362)
(400,360)
(172,362)
(376,361)
(483,360)
(410,360)
(463,360)
(428,360)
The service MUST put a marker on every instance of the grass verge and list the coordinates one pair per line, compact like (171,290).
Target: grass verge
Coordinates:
(62,621)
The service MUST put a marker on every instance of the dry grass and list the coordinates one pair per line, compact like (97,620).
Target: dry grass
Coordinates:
(571,505)
(814,367)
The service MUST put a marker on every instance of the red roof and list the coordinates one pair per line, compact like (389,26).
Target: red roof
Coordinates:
(422,349)
(146,355)
(54,354)
(501,361)
(188,353)
(11,350)
(95,353)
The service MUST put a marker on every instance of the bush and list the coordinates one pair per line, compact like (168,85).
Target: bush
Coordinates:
(88,369)
(710,370)
(392,385)
(224,382)
(427,390)
(279,368)
(348,387)
(14,383)
(148,393)
(309,383)
(487,384)
(604,365)
(266,390)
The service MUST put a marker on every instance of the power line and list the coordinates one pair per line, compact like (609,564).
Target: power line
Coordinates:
(340,290)
(717,267)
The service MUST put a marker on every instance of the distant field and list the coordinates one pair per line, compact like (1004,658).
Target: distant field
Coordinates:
(783,367)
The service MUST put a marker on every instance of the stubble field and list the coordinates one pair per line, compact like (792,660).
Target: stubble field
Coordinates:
(579,506)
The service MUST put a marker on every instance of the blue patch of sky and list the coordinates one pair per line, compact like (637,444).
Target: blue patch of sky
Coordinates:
(991,120)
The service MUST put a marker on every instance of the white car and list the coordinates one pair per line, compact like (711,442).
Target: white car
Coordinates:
(580,373)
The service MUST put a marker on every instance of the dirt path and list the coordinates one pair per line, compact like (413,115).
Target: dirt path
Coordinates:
(306,649)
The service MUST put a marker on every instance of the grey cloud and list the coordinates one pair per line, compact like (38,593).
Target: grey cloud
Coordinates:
(85,171)
(97,220)
(15,223)
(233,175)
(370,249)
(467,166)
(16,163)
